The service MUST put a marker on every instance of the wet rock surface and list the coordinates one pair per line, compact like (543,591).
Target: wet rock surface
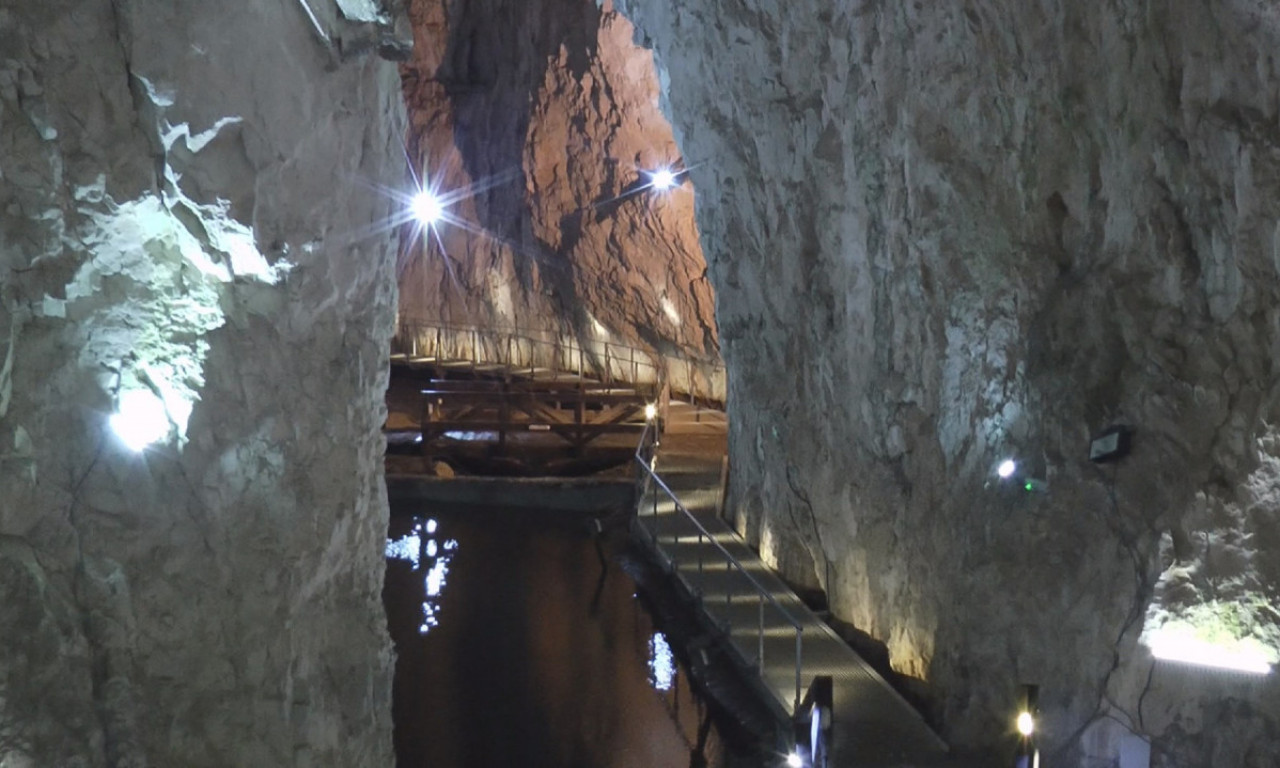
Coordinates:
(184,218)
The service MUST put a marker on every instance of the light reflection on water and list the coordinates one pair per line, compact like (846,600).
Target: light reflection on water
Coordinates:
(472,436)
(662,662)
(405,548)
(536,656)
(414,550)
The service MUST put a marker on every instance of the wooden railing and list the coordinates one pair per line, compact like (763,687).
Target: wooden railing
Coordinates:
(612,363)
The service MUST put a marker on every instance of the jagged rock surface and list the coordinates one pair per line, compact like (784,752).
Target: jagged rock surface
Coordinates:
(548,114)
(941,234)
(183,202)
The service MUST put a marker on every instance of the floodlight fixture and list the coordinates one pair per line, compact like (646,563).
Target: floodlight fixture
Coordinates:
(662,179)
(427,208)
(140,419)
(1026,723)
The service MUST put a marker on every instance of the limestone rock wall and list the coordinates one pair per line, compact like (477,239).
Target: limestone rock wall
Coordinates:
(186,249)
(539,122)
(942,234)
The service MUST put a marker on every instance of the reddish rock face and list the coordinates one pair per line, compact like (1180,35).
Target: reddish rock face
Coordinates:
(543,132)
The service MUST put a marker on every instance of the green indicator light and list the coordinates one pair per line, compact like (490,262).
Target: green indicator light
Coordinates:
(1028,486)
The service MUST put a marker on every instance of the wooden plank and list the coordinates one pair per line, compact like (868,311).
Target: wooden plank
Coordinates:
(591,401)
(539,412)
(438,386)
(617,414)
(493,425)
(462,414)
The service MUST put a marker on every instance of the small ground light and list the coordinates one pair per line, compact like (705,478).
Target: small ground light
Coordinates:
(426,208)
(1007,468)
(794,760)
(1027,754)
(650,410)
(663,179)
(1026,723)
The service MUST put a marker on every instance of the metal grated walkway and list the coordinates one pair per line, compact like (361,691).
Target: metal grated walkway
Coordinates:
(873,725)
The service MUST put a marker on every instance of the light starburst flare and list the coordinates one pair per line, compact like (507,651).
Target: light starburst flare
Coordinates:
(662,179)
(426,207)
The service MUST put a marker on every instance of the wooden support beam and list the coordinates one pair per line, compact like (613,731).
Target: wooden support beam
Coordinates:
(493,424)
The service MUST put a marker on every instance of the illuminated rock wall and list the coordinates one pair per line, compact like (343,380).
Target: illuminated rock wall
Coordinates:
(539,120)
(187,225)
(943,234)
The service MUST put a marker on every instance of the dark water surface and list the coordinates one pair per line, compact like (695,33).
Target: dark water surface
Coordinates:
(516,648)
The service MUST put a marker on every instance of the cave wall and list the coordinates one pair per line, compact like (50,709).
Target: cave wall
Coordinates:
(942,234)
(539,121)
(187,224)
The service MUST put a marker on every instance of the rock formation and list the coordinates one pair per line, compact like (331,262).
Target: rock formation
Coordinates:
(540,123)
(941,235)
(945,234)
(191,253)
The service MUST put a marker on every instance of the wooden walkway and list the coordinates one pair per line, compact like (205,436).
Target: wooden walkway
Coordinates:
(452,381)
(873,725)
(539,351)
(442,397)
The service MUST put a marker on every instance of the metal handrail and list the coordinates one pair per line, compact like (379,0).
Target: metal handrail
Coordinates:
(612,361)
(650,475)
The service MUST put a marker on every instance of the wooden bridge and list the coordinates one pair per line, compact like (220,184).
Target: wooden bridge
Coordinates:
(574,410)
(497,391)
(548,354)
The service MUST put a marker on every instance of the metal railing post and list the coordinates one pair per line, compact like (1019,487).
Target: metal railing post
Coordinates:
(760,635)
(675,544)
(799,665)
(655,515)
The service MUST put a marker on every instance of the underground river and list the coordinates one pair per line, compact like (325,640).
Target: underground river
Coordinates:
(520,640)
